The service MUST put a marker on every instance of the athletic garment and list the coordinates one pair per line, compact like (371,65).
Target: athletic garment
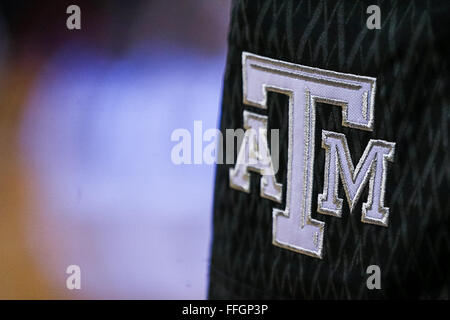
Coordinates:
(408,57)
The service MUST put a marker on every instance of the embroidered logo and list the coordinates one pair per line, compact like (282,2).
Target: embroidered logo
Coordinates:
(293,227)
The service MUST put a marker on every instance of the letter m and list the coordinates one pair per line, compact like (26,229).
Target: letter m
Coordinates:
(371,168)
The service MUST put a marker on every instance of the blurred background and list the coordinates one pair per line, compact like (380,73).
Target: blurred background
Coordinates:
(86,118)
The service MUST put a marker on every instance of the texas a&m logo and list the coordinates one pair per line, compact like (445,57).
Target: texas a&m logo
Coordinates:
(293,227)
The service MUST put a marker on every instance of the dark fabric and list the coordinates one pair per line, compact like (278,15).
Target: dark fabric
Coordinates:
(408,56)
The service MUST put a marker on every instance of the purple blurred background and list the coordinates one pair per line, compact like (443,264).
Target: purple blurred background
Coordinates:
(86,175)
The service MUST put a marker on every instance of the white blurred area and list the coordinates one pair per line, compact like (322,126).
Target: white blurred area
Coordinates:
(94,140)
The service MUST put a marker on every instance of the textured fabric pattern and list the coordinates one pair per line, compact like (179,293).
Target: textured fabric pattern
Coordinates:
(408,58)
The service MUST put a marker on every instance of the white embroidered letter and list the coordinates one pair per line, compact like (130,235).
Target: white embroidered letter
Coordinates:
(254,155)
(371,165)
